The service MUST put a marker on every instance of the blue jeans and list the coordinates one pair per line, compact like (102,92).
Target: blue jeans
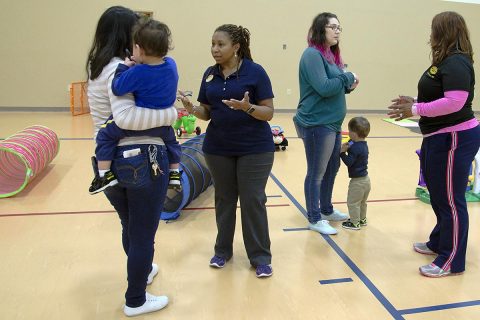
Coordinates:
(138,200)
(322,149)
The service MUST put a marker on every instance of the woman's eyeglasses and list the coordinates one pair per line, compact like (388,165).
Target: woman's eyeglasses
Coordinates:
(334,27)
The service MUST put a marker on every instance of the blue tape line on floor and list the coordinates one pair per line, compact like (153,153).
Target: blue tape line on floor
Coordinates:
(341,280)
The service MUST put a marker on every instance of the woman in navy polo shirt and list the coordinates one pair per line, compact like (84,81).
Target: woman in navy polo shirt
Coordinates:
(451,138)
(236,96)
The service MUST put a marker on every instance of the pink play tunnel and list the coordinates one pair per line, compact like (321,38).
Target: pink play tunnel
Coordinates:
(23,156)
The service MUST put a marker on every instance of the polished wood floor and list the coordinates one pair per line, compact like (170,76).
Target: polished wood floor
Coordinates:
(61,255)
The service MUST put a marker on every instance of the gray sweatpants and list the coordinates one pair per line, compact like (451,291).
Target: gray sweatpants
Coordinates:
(243,177)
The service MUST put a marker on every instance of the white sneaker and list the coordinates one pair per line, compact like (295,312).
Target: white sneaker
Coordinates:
(323,227)
(152,273)
(152,303)
(335,216)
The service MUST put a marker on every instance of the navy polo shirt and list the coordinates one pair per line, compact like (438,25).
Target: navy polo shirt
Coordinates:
(234,132)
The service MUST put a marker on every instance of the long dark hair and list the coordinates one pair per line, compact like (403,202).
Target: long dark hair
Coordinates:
(240,35)
(112,37)
(449,35)
(317,39)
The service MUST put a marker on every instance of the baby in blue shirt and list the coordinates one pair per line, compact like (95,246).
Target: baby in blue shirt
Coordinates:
(153,79)
(354,154)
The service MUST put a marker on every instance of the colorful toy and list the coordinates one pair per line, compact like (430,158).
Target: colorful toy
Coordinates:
(23,156)
(345,137)
(278,138)
(185,123)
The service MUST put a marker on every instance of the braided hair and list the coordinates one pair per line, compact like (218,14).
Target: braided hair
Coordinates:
(240,35)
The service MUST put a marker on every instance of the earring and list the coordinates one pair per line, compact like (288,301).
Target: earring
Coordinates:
(235,54)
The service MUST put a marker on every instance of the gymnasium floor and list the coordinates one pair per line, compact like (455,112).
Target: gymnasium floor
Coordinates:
(61,255)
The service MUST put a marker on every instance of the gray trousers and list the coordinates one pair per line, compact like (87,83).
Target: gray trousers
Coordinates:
(358,191)
(243,177)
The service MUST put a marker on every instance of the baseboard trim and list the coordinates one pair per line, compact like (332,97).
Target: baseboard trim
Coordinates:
(34,109)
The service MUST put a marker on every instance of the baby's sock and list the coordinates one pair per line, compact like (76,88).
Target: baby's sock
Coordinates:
(101,173)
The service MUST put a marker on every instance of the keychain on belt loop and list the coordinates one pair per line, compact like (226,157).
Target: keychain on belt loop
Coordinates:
(152,155)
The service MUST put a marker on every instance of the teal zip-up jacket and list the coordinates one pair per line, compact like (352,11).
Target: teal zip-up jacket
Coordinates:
(322,92)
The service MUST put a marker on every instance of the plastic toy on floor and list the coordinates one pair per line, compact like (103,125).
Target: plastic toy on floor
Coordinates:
(23,156)
(278,138)
(185,123)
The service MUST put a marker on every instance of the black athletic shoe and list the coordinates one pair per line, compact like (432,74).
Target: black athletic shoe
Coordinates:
(101,183)
(175,181)
(350,225)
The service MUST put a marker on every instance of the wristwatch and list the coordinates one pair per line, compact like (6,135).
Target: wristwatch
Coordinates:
(250,110)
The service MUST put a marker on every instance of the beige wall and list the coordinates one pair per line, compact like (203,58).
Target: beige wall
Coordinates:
(44,43)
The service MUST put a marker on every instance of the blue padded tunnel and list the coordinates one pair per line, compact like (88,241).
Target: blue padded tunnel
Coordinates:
(195,179)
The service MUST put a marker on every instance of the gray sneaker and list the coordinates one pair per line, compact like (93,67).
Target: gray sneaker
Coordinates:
(323,227)
(421,247)
(335,216)
(433,271)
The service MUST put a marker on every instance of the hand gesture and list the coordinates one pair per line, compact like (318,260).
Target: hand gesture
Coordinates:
(183,97)
(243,104)
(401,108)
(344,147)
(403,99)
